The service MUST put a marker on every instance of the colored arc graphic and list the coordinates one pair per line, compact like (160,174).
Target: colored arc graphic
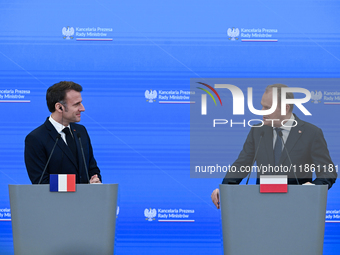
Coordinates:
(218,96)
(209,94)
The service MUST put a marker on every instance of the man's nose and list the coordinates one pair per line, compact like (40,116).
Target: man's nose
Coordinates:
(82,108)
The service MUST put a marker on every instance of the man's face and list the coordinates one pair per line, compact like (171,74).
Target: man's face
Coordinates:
(266,102)
(74,107)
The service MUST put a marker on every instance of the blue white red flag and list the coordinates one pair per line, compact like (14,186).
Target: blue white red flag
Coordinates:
(62,182)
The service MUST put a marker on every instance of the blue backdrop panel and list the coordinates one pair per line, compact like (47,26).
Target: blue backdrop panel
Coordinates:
(119,49)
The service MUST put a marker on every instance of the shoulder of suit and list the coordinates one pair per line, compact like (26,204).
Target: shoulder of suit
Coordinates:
(77,126)
(38,131)
(261,126)
(306,125)
(257,124)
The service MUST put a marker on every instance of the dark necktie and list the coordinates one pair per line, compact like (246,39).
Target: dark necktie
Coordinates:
(278,146)
(70,142)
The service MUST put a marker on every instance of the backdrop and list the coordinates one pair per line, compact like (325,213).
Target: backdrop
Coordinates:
(118,50)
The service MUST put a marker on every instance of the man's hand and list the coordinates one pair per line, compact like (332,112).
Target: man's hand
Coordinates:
(215,197)
(308,183)
(95,179)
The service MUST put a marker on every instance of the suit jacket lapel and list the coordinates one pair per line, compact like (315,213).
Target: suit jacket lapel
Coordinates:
(294,135)
(80,157)
(61,144)
(268,142)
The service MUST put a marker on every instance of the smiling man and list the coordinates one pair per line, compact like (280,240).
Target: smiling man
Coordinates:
(305,143)
(68,139)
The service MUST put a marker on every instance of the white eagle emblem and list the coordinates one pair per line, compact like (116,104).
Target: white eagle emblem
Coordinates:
(150,214)
(316,96)
(150,96)
(68,32)
(233,33)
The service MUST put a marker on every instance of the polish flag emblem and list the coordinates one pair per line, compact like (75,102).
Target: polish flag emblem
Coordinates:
(273,184)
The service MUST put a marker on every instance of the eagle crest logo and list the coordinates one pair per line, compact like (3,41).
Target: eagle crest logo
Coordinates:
(68,32)
(150,96)
(233,33)
(150,214)
(316,96)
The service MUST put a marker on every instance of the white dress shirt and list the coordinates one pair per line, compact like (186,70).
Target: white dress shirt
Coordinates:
(59,127)
(285,130)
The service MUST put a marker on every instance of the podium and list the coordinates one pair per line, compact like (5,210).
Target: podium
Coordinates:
(81,222)
(273,223)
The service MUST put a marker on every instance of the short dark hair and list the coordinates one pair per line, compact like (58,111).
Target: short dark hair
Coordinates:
(289,95)
(57,93)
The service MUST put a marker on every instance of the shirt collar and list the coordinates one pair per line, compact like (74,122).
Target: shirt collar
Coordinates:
(59,127)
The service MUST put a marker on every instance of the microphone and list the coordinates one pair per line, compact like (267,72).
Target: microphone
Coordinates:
(290,161)
(257,149)
(49,158)
(82,153)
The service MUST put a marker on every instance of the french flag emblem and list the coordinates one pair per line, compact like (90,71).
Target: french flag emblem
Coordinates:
(273,184)
(62,182)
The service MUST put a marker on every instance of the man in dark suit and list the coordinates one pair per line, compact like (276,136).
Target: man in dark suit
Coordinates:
(64,101)
(305,143)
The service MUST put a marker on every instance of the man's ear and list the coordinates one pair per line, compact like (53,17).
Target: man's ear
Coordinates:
(59,107)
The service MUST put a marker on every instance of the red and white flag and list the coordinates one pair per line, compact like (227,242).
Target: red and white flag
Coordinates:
(273,184)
